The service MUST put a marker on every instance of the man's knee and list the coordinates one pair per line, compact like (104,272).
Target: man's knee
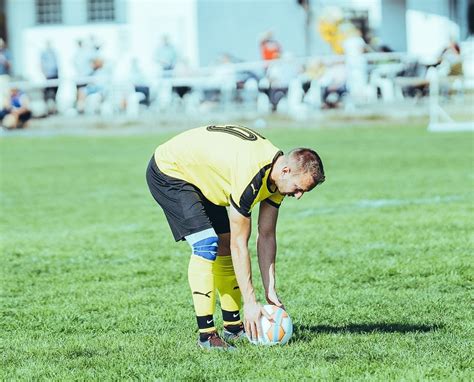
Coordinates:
(204,244)
(206,248)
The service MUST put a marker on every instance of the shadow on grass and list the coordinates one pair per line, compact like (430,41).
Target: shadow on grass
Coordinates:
(306,332)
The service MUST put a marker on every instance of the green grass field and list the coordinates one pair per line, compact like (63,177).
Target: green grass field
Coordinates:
(375,266)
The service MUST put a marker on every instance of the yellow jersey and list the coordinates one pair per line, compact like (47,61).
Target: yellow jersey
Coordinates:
(229,164)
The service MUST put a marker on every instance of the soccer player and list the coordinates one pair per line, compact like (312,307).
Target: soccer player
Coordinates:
(194,177)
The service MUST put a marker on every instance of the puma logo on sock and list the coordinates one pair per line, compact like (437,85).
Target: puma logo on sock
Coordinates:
(204,294)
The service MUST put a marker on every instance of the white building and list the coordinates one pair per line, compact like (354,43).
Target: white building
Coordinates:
(201,30)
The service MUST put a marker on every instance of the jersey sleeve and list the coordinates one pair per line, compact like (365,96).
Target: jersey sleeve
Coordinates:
(275,199)
(245,194)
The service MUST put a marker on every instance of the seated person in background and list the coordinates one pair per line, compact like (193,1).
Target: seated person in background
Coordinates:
(15,113)
(100,81)
(450,61)
(333,86)
(280,74)
(49,67)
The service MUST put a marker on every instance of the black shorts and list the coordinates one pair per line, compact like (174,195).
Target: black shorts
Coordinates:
(185,207)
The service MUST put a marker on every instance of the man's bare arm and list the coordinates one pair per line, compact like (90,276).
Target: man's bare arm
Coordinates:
(266,249)
(240,229)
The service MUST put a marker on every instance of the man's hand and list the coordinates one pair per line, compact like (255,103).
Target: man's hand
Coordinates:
(252,312)
(273,299)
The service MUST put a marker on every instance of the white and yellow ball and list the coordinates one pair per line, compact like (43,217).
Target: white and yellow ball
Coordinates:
(278,331)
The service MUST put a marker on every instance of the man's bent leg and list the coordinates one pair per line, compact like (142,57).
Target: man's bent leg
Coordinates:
(226,284)
(201,279)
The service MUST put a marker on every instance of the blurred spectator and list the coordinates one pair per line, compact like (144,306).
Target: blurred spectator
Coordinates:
(49,67)
(5,59)
(82,63)
(225,76)
(450,60)
(182,69)
(89,62)
(280,74)
(412,80)
(329,26)
(270,49)
(166,56)
(356,63)
(139,81)
(312,71)
(100,80)
(5,66)
(333,85)
(15,113)
(96,59)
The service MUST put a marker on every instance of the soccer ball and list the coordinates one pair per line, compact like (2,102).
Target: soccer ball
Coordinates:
(279,330)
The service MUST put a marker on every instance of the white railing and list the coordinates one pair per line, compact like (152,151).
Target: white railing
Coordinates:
(120,90)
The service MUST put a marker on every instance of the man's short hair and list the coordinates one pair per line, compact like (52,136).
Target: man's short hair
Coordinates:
(308,161)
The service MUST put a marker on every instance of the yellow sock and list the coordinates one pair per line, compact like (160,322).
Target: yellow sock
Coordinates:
(201,281)
(229,292)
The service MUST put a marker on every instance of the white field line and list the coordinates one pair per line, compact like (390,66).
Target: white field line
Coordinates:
(379,203)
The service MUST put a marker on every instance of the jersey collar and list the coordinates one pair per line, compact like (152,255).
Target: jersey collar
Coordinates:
(269,183)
